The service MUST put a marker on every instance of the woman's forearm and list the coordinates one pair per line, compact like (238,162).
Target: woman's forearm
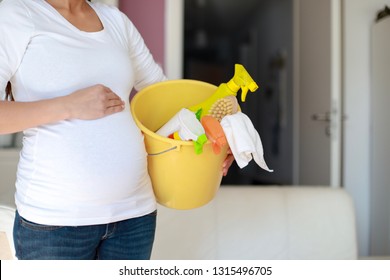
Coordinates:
(90,103)
(17,116)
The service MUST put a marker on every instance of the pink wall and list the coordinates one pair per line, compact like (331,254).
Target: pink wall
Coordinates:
(149,18)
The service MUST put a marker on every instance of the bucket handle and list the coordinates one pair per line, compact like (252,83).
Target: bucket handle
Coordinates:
(165,151)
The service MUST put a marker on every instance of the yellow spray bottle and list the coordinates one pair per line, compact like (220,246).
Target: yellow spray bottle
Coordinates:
(241,80)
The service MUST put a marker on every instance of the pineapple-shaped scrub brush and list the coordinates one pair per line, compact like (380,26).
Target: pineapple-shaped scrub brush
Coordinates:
(218,105)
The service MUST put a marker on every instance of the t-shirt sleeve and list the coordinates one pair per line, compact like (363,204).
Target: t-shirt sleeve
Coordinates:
(16,30)
(147,71)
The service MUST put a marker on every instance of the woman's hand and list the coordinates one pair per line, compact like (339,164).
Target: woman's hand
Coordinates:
(227,162)
(93,103)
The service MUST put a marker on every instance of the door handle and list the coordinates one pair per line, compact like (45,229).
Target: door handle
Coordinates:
(321,117)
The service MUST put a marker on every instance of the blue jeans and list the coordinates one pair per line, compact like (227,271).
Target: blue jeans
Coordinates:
(124,240)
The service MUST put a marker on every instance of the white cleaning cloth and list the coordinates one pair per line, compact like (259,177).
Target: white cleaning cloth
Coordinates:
(244,140)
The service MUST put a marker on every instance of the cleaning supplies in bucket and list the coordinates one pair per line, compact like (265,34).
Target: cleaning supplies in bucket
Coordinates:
(180,178)
(185,126)
(241,80)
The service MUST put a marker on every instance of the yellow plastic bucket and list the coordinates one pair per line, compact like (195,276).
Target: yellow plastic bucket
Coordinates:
(181,179)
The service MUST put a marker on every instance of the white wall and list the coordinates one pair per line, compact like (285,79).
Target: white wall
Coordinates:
(173,49)
(358,18)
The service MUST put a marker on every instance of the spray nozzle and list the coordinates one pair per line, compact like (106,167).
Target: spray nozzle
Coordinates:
(242,80)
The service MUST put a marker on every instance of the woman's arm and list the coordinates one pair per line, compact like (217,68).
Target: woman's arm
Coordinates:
(87,104)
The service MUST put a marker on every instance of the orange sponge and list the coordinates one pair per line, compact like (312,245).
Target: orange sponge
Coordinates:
(214,133)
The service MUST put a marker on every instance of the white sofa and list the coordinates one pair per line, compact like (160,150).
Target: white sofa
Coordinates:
(247,222)
(244,222)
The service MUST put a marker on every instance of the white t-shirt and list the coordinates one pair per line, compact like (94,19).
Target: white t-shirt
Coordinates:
(77,172)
